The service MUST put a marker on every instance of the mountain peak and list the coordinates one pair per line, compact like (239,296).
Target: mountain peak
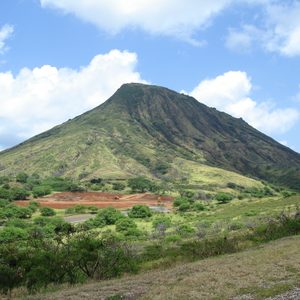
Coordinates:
(144,127)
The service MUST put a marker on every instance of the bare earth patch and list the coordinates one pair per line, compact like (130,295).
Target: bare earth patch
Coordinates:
(261,273)
(100,199)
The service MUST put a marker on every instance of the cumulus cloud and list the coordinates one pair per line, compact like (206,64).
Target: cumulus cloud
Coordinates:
(168,17)
(37,99)
(230,93)
(279,31)
(5,33)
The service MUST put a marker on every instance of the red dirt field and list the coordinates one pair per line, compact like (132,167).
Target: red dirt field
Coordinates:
(101,200)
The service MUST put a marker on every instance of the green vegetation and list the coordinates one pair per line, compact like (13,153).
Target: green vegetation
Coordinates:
(141,185)
(175,146)
(140,211)
(47,212)
(223,197)
(175,139)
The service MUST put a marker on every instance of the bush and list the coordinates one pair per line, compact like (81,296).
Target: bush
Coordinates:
(184,206)
(140,211)
(39,191)
(5,194)
(106,216)
(19,194)
(33,206)
(162,220)
(22,177)
(102,258)
(223,197)
(110,215)
(198,206)
(187,194)
(14,211)
(185,230)
(141,185)
(179,200)
(11,234)
(47,212)
(60,184)
(125,226)
(118,186)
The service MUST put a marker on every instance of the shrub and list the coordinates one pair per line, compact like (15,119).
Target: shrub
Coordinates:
(14,211)
(235,226)
(187,194)
(110,215)
(11,234)
(118,186)
(22,177)
(39,191)
(232,185)
(185,230)
(5,194)
(18,194)
(184,206)
(33,206)
(223,197)
(141,185)
(125,225)
(47,212)
(162,220)
(106,216)
(198,206)
(140,211)
(92,209)
(179,200)
(172,238)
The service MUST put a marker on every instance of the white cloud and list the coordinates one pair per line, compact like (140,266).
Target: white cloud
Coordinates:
(230,93)
(168,17)
(37,99)
(279,31)
(5,33)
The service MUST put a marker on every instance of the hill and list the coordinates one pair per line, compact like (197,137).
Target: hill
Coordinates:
(156,132)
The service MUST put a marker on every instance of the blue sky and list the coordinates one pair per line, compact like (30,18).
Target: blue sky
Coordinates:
(59,58)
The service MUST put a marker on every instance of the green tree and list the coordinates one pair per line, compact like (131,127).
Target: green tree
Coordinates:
(22,177)
(47,212)
(118,186)
(223,197)
(11,234)
(140,211)
(126,226)
(141,185)
(19,194)
(11,269)
(41,190)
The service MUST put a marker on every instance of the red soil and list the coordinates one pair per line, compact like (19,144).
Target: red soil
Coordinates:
(99,199)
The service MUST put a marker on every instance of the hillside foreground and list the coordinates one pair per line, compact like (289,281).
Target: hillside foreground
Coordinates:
(259,273)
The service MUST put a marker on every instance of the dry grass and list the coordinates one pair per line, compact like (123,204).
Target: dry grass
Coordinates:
(259,273)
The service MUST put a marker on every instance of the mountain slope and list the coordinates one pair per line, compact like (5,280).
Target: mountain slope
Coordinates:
(154,131)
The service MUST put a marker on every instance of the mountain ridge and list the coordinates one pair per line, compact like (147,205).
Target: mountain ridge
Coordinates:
(144,128)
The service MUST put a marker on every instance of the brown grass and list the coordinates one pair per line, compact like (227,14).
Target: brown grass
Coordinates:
(258,273)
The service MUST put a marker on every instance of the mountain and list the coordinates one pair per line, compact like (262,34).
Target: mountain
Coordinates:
(151,130)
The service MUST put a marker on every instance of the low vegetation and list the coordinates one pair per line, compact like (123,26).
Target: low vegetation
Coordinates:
(39,249)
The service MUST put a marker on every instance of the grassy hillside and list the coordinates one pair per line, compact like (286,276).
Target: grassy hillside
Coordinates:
(259,273)
(152,131)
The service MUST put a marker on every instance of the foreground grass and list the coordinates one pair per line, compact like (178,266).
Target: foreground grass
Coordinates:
(258,273)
